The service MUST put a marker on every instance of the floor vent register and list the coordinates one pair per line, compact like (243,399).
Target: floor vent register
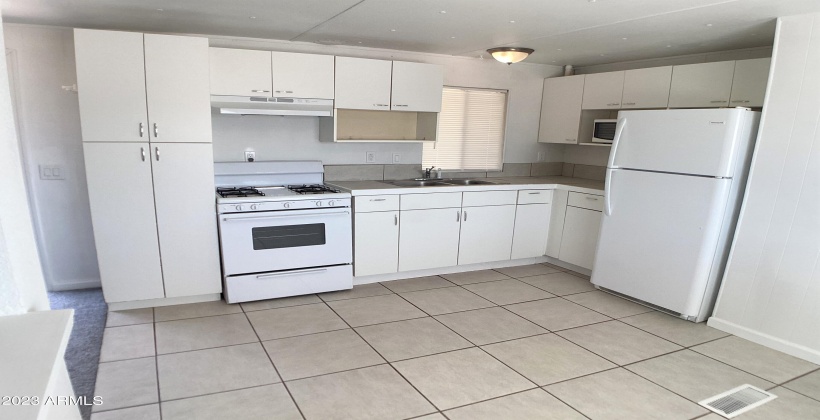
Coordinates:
(737,401)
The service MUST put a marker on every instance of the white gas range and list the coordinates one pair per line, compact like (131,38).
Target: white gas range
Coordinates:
(281,231)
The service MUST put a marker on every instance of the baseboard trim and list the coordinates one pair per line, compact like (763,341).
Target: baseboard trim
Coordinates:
(375,278)
(767,340)
(75,285)
(151,303)
(572,267)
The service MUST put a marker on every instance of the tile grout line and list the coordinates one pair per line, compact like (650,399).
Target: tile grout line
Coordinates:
(156,360)
(385,359)
(279,375)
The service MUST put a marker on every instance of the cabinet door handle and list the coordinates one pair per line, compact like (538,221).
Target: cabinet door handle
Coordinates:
(288,91)
(465,215)
(379,105)
(592,198)
(613,104)
(400,105)
(260,91)
(396,219)
(458,216)
(534,193)
(717,102)
(569,140)
(741,101)
(142,129)
(142,152)
(629,103)
(378,199)
(156,151)
(156,130)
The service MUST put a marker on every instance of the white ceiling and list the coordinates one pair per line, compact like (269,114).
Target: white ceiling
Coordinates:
(579,32)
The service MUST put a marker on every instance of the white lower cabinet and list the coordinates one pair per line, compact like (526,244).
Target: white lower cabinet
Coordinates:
(429,238)
(152,208)
(580,236)
(186,218)
(121,194)
(532,225)
(486,234)
(376,243)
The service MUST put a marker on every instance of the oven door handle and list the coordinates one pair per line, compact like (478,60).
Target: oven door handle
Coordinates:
(285,214)
(291,273)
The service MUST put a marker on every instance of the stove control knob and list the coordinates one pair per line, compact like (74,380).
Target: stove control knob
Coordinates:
(254,206)
(286,205)
(238,207)
(318,204)
(331,203)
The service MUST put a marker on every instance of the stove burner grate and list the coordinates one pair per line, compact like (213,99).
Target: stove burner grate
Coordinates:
(227,192)
(312,189)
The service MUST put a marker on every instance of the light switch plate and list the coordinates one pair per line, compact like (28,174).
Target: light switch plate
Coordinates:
(396,158)
(370,157)
(51,172)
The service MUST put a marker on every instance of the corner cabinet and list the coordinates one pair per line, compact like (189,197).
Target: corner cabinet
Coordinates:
(561,109)
(532,223)
(150,186)
(749,82)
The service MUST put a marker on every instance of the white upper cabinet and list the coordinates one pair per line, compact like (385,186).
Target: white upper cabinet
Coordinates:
(749,84)
(363,83)
(176,80)
(111,84)
(701,85)
(417,87)
(240,72)
(561,109)
(647,88)
(603,90)
(302,75)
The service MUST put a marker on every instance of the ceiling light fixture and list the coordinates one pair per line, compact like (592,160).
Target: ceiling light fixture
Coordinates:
(509,55)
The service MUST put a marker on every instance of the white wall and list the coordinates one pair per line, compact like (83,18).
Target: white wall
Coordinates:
(289,138)
(21,280)
(50,132)
(771,288)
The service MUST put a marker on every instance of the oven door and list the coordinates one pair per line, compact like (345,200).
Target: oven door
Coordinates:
(283,240)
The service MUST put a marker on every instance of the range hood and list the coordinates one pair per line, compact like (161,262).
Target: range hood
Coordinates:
(261,105)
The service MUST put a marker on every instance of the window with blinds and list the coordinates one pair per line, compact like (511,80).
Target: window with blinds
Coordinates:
(470,131)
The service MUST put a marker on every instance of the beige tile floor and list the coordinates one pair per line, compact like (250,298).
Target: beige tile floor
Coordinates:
(530,342)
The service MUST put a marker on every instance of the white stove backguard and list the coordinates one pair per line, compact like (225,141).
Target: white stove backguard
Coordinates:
(277,172)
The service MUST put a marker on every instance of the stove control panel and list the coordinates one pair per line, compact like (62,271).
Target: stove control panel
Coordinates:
(282,205)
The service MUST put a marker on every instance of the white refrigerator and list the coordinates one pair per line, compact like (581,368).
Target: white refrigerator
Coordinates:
(674,183)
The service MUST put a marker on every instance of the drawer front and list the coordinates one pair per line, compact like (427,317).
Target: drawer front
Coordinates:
(534,196)
(586,201)
(368,203)
(489,198)
(430,201)
(288,283)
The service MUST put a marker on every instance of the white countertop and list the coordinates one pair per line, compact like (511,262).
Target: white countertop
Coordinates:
(30,346)
(589,186)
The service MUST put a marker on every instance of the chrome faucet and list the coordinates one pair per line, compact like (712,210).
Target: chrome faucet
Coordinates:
(428,172)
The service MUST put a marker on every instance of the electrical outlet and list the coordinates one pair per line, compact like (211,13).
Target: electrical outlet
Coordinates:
(396,158)
(541,156)
(370,157)
(250,156)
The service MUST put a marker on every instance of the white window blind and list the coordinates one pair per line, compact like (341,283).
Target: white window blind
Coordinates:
(470,131)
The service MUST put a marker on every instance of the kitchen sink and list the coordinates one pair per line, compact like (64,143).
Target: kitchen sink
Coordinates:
(427,182)
(467,182)
(419,183)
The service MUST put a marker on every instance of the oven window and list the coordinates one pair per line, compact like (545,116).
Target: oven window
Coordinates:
(291,236)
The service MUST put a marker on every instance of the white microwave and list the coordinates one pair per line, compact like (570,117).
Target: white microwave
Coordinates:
(604,131)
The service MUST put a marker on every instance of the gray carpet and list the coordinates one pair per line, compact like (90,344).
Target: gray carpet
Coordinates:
(83,352)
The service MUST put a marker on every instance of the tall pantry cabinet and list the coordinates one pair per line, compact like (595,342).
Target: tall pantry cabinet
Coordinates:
(146,125)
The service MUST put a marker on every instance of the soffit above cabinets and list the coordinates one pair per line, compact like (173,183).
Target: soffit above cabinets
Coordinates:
(579,32)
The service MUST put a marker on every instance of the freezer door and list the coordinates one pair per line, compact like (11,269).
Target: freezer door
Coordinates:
(659,235)
(686,141)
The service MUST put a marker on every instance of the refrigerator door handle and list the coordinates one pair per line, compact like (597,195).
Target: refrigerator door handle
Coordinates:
(608,192)
(615,141)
